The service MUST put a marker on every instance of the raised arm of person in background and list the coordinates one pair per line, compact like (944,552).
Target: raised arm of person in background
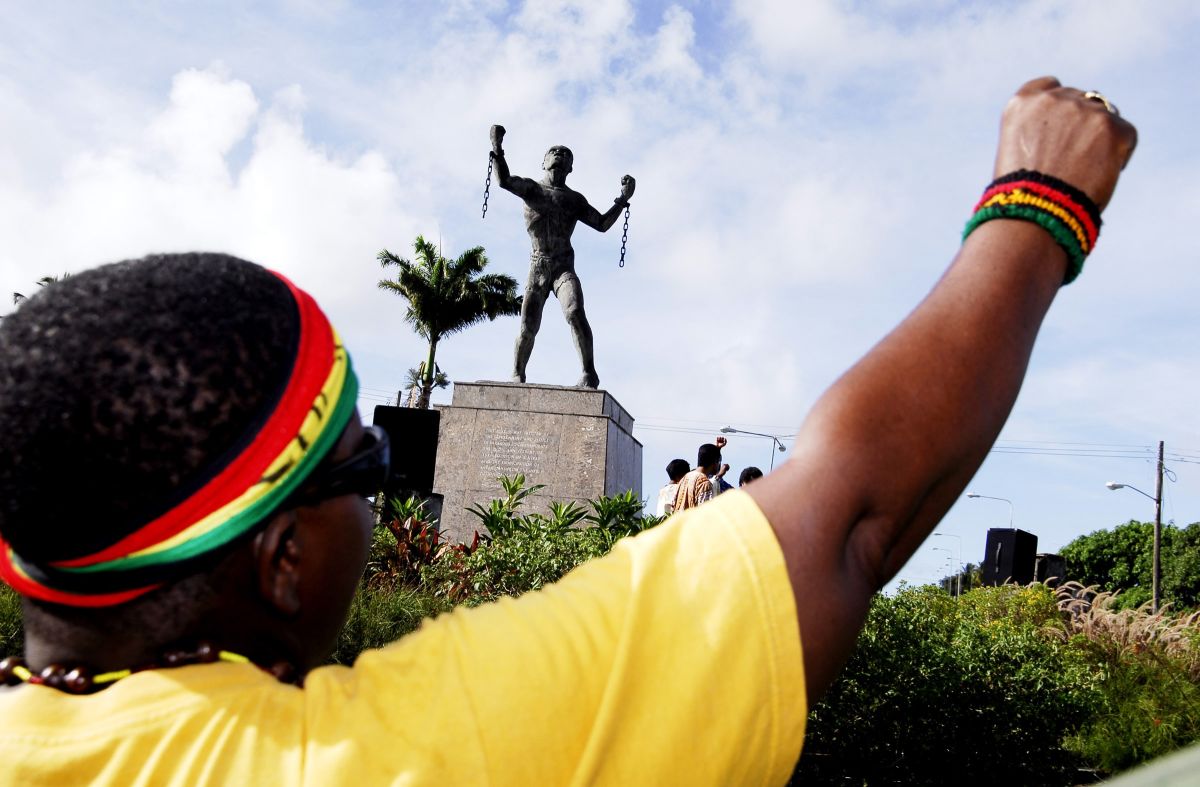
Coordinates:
(891,445)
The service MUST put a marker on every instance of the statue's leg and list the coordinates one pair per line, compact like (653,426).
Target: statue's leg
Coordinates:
(536,290)
(570,297)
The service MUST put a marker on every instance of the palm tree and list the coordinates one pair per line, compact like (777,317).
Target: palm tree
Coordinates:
(444,296)
(414,378)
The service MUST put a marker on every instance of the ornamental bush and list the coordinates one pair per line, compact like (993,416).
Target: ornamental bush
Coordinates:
(521,552)
(940,690)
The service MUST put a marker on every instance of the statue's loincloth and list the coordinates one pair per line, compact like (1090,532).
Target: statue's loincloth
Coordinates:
(550,271)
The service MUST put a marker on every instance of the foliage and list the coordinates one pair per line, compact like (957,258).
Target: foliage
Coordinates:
(940,690)
(971,578)
(524,552)
(12,635)
(414,376)
(413,383)
(1151,677)
(1010,684)
(500,517)
(1121,559)
(405,539)
(445,296)
(381,615)
(521,561)
(1117,559)
(566,514)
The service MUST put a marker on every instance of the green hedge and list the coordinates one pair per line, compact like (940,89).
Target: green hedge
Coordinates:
(940,690)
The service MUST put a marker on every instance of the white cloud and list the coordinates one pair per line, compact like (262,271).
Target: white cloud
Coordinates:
(207,115)
(293,206)
(671,56)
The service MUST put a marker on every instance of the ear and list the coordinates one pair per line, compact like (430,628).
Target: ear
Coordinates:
(277,555)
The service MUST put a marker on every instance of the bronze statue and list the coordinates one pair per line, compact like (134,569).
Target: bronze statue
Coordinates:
(551,212)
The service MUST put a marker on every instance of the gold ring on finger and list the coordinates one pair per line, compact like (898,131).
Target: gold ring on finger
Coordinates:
(1096,95)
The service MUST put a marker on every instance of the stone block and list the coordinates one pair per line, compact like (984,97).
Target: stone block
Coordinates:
(578,442)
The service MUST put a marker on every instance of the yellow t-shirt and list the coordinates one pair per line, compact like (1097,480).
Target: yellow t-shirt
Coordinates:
(673,660)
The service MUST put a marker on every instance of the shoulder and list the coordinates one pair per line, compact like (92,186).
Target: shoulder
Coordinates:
(524,186)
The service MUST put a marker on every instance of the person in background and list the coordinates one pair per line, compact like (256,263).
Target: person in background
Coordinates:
(695,487)
(717,479)
(676,470)
(749,474)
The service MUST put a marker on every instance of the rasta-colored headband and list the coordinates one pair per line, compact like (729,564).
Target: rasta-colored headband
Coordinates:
(307,420)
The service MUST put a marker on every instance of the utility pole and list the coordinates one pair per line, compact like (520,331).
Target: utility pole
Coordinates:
(1157,579)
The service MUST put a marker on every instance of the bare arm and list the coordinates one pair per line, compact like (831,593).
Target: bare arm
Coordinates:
(889,448)
(593,218)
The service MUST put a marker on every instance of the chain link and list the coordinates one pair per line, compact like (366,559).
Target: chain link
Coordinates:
(624,238)
(487,187)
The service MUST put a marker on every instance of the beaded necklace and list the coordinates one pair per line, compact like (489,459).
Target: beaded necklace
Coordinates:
(81,680)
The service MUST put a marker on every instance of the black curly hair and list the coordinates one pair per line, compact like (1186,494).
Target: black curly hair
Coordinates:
(123,389)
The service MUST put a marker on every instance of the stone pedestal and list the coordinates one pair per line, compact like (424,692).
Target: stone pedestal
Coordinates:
(577,441)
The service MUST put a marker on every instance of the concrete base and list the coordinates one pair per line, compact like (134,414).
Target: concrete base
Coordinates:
(577,441)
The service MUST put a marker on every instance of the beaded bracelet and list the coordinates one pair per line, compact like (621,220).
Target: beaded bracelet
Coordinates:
(1056,206)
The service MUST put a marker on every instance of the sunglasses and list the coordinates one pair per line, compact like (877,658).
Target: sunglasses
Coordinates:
(362,473)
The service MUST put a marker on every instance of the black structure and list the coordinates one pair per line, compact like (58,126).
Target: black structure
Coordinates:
(1009,556)
(413,434)
(1049,566)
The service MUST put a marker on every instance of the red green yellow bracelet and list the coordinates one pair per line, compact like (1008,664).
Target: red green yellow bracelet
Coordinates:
(1064,211)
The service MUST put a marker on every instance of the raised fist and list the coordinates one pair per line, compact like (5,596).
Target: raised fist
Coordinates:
(497,135)
(1057,131)
(628,184)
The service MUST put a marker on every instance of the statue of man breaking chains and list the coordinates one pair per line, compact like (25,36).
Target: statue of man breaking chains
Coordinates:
(551,211)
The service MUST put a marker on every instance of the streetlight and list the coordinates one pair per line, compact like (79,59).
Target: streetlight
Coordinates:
(776,446)
(949,565)
(1156,574)
(1005,499)
(960,563)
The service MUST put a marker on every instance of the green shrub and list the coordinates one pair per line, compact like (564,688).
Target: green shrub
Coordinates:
(524,552)
(522,561)
(381,615)
(1121,559)
(940,690)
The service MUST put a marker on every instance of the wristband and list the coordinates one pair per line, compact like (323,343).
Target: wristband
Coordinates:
(1056,206)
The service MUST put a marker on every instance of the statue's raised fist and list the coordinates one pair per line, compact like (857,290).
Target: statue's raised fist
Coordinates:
(628,184)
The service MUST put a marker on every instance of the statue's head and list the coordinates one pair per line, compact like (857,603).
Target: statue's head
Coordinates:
(558,156)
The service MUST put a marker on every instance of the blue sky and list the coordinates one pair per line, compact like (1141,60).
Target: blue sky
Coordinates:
(804,169)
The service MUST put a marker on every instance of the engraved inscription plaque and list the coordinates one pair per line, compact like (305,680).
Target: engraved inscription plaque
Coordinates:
(505,452)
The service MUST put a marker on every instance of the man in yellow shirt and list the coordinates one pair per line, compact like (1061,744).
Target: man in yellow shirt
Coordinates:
(199,412)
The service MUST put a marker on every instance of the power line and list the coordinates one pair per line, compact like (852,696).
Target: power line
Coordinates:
(1049,448)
